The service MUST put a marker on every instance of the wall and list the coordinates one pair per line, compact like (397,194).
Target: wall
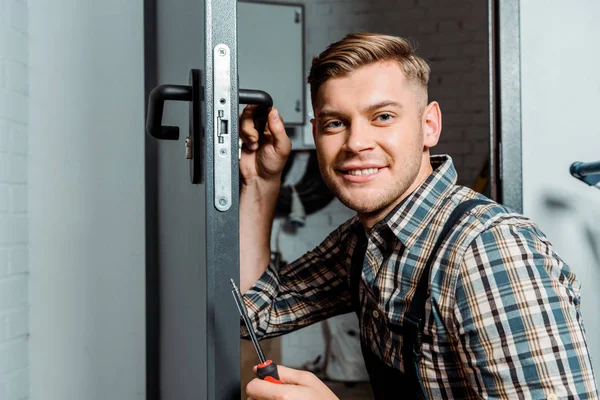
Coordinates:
(560,92)
(14,241)
(452,35)
(86,200)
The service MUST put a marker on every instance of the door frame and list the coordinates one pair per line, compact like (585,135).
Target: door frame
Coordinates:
(506,176)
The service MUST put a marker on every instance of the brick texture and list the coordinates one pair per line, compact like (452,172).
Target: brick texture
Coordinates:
(14,237)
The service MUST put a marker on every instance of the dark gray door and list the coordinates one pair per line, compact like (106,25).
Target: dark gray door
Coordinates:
(192,241)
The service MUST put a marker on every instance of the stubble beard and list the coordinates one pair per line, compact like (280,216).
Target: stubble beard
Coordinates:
(386,193)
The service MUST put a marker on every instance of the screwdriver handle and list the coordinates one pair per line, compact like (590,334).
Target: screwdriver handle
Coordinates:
(267,371)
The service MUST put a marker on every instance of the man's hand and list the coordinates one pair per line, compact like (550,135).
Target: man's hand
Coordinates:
(295,385)
(263,155)
(263,159)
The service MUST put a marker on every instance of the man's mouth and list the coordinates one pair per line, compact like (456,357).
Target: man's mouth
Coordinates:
(361,172)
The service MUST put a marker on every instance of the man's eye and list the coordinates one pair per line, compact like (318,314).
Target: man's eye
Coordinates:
(334,124)
(384,117)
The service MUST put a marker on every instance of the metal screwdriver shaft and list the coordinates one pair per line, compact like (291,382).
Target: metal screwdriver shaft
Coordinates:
(237,295)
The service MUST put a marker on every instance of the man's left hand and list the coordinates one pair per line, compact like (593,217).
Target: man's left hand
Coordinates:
(295,385)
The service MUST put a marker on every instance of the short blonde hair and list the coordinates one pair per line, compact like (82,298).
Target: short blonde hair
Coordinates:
(360,49)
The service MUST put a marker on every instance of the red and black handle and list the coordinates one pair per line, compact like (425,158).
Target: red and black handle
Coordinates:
(267,371)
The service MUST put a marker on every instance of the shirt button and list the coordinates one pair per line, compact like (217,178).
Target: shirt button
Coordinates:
(375,314)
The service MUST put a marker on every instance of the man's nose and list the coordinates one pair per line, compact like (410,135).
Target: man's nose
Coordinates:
(359,138)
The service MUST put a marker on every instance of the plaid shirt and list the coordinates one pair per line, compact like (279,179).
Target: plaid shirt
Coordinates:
(503,312)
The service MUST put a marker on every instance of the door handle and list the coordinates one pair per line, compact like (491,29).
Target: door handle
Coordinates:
(194,94)
(156,103)
(264,102)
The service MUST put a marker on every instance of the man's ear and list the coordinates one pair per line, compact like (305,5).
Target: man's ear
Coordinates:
(314,128)
(432,124)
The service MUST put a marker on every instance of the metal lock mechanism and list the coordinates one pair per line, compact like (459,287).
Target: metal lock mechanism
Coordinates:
(222,136)
(189,154)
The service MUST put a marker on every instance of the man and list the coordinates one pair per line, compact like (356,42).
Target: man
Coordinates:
(500,309)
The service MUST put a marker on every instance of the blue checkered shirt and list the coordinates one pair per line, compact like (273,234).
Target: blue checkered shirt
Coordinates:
(503,312)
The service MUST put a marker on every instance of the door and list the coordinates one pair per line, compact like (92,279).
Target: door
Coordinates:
(176,267)
(192,178)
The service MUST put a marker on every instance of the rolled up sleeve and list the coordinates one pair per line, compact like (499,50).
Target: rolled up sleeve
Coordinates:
(306,291)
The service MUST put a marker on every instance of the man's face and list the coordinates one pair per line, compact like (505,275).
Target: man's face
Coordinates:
(368,133)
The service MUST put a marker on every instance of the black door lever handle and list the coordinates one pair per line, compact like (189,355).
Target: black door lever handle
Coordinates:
(156,103)
(264,102)
(162,93)
(194,94)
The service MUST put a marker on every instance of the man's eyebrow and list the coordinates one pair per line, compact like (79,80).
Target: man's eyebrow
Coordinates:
(329,113)
(382,104)
(373,107)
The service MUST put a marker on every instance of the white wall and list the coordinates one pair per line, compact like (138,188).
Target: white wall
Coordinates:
(14,241)
(86,200)
(560,102)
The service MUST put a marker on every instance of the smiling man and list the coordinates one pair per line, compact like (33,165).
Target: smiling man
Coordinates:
(373,132)
(457,296)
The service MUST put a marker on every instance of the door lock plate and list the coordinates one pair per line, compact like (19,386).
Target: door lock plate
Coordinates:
(222,143)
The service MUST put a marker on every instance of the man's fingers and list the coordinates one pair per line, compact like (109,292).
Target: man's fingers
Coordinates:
(277,129)
(274,131)
(293,385)
(263,390)
(293,376)
(275,124)
(248,132)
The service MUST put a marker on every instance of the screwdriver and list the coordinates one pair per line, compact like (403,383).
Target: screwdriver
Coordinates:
(266,369)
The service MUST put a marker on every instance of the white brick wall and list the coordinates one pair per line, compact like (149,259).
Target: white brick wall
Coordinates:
(14,311)
(452,35)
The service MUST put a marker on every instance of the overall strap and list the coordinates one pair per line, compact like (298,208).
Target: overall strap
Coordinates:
(414,318)
(358,257)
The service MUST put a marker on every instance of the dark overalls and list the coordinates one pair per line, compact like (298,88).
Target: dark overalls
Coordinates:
(388,382)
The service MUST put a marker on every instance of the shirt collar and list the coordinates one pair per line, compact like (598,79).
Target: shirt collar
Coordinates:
(409,218)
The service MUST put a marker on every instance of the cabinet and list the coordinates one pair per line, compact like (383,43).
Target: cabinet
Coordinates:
(271,55)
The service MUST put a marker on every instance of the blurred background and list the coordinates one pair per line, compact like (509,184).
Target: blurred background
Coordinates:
(97,219)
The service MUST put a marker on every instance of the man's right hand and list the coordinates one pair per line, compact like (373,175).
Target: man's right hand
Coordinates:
(263,159)
(263,155)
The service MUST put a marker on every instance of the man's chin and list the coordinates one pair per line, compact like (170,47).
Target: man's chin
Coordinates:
(362,206)
(363,199)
